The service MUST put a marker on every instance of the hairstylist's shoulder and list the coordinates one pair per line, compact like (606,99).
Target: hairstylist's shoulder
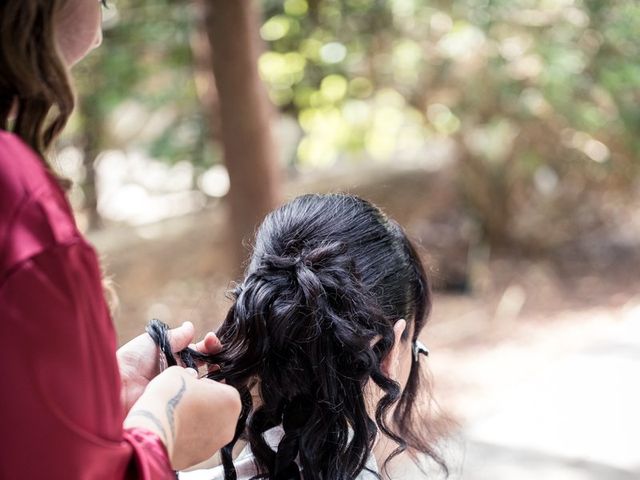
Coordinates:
(35,214)
(21,169)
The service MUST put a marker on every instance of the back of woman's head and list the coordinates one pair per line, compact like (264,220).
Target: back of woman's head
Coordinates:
(310,326)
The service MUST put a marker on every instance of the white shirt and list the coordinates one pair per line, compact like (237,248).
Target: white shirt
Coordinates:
(246,468)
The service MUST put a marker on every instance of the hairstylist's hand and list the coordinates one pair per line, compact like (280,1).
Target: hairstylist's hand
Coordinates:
(138,360)
(193,417)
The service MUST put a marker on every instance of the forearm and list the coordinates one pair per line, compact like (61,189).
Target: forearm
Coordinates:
(157,416)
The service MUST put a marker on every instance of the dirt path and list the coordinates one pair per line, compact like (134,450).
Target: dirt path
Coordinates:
(547,394)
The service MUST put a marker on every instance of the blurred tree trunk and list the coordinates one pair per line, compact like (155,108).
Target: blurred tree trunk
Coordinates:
(92,132)
(203,71)
(314,10)
(245,114)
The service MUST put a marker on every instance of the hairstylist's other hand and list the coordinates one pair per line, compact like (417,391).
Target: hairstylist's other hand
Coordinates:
(194,417)
(138,360)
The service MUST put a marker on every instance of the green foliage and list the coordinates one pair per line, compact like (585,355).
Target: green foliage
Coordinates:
(566,61)
(523,89)
(144,69)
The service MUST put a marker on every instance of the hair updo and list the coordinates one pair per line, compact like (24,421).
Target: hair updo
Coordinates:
(309,327)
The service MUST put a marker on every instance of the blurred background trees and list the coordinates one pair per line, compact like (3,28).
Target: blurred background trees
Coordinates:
(532,104)
(504,135)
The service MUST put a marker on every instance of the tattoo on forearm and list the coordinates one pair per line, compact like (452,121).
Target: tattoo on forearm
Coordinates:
(156,421)
(170,410)
(171,406)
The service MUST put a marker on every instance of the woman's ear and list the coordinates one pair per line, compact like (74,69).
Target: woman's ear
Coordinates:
(391,362)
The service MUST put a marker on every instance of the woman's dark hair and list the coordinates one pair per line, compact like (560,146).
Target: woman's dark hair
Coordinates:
(310,325)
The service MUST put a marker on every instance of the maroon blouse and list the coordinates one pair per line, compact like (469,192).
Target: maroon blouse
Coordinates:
(60,410)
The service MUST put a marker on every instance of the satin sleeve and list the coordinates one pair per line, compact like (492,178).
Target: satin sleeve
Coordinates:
(60,409)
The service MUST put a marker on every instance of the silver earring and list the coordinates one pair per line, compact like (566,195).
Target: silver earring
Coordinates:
(419,348)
